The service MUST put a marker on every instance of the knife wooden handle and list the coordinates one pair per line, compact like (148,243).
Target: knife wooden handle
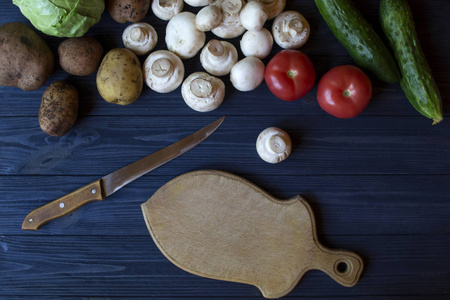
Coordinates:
(63,206)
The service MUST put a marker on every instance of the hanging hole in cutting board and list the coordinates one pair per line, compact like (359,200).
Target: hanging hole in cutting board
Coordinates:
(342,267)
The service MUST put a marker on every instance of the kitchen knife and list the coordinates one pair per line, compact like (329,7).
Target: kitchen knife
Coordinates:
(111,183)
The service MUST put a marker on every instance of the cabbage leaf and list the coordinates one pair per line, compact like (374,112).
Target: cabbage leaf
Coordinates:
(62,18)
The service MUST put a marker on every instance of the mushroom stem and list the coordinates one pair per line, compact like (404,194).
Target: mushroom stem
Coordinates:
(231,7)
(276,144)
(217,49)
(201,87)
(137,34)
(162,68)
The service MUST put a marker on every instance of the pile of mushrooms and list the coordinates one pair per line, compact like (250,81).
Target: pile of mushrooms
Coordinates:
(185,37)
(226,19)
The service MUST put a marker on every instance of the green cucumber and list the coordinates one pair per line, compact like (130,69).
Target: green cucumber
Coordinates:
(417,82)
(358,37)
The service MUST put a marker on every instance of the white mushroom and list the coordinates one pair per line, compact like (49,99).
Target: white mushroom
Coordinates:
(197,3)
(257,43)
(253,16)
(140,38)
(208,17)
(231,26)
(182,36)
(273,145)
(163,71)
(218,57)
(203,92)
(290,30)
(166,9)
(247,74)
(272,7)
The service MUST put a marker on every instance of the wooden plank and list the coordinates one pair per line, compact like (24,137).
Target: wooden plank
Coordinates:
(378,184)
(321,145)
(343,205)
(132,266)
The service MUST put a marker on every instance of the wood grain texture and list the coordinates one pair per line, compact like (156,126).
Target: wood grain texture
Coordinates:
(221,226)
(132,266)
(378,184)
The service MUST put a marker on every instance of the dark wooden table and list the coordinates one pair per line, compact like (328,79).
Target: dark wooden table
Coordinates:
(379,183)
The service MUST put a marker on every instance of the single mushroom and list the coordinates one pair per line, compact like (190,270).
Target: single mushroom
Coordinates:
(166,9)
(272,7)
(273,145)
(208,17)
(247,74)
(203,92)
(218,57)
(230,26)
(163,71)
(197,3)
(140,38)
(257,43)
(290,30)
(182,36)
(253,16)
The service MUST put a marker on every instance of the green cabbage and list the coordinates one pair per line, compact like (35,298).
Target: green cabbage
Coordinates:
(62,18)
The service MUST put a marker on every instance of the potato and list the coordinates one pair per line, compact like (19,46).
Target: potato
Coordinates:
(59,108)
(80,55)
(119,77)
(124,11)
(25,59)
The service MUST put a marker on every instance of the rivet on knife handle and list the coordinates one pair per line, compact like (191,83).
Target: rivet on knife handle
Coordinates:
(63,206)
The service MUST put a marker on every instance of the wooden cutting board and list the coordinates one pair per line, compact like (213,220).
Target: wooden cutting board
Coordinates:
(218,225)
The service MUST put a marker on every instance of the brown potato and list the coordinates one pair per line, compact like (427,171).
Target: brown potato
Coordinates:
(80,55)
(128,10)
(25,59)
(59,108)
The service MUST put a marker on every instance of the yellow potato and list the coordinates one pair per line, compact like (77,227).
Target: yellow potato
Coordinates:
(119,77)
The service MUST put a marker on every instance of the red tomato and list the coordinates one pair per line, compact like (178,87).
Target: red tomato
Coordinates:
(344,91)
(290,75)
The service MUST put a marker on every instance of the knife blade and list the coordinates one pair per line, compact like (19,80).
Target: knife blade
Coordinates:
(111,183)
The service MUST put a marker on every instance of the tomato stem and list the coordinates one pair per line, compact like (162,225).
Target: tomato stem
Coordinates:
(346,93)
(291,73)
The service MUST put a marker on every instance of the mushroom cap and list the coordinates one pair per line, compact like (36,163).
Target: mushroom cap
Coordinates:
(272,7)
(273,145)
(182,36)
(203,92)
(290,30)
(163,71)
(166,9)
(218,57)
(247,74)
(257,43)
(140,38)
(253,16)
(231,26)
(208,17)
(197,3)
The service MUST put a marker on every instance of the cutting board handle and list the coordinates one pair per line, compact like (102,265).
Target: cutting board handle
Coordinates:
(343,266)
